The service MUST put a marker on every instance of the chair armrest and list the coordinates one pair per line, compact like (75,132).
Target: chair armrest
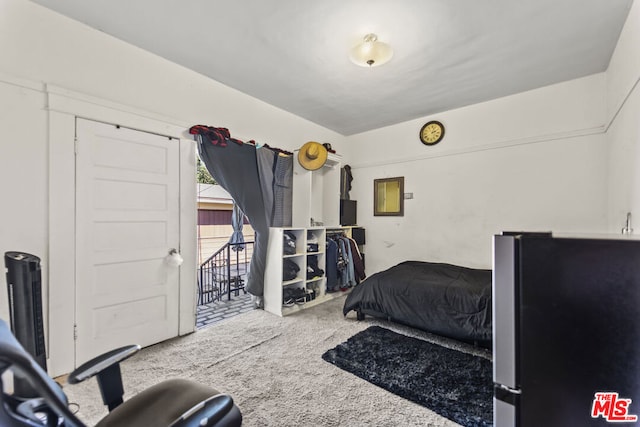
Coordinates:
(102,362)
(107,369)
(209,413)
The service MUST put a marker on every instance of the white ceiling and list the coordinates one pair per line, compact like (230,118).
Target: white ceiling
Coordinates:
(293,54)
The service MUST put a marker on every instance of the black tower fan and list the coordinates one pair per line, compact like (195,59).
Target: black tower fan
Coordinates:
(24,284)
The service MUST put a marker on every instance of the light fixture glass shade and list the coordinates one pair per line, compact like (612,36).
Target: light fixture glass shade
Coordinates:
(371,52)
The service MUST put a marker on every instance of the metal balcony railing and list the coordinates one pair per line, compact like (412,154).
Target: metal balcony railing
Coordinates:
(224,272)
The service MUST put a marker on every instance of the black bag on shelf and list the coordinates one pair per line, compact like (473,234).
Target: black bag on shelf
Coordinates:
(289,270)
(289,243)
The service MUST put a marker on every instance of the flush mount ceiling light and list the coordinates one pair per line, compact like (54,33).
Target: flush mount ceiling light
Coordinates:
(371,52)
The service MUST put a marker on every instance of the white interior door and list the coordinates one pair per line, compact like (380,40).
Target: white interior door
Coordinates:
(127,220)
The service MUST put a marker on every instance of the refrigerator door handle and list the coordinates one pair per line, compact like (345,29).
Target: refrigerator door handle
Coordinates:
(509,389)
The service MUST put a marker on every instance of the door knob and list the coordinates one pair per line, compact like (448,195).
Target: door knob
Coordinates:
(173,259)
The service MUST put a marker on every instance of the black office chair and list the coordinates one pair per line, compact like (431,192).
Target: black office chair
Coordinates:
(38,401)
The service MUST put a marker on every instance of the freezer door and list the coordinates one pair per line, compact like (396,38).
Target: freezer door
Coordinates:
(578,331)
(504,310)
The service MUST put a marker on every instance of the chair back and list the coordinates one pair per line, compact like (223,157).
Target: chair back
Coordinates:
(45,396)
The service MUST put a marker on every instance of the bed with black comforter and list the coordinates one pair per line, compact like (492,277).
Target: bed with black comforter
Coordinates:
(444,299)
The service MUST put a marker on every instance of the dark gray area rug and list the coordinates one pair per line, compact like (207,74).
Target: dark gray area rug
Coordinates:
(451,383)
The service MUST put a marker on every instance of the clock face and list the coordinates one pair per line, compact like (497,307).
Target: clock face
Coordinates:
(432,133)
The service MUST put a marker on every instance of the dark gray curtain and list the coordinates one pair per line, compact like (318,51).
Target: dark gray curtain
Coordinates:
(266,160)
(233,165)
(276,181)
(260,181)
(282,192)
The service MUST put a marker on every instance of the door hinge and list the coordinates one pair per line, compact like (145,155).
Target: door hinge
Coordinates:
(75,145)
(75,332)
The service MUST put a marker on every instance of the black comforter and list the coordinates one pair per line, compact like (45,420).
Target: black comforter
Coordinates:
(445,299)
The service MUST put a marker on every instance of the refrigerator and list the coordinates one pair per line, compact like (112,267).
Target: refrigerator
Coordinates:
(566,330)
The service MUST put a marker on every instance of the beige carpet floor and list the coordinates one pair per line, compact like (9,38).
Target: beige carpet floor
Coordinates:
(273,368)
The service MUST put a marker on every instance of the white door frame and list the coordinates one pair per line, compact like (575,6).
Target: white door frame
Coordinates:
(63,107)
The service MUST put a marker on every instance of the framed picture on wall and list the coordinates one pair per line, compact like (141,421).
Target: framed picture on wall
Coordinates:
(388,196)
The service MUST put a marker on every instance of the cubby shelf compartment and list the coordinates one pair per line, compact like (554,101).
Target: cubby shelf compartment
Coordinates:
(316,194)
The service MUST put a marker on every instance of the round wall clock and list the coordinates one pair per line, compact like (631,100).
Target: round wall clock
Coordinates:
(432,132)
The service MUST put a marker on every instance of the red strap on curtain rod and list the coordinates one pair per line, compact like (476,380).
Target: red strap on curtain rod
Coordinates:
(220,136)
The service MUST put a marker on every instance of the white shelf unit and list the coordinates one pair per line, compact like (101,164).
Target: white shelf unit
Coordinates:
(316,194)
(274,284)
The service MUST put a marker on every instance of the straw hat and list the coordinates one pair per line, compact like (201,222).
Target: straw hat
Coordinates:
(312,156)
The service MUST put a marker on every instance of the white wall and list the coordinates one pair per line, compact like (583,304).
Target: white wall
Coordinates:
(41,48)
(41,45)
(23,176)
(531,161)
(623,116)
